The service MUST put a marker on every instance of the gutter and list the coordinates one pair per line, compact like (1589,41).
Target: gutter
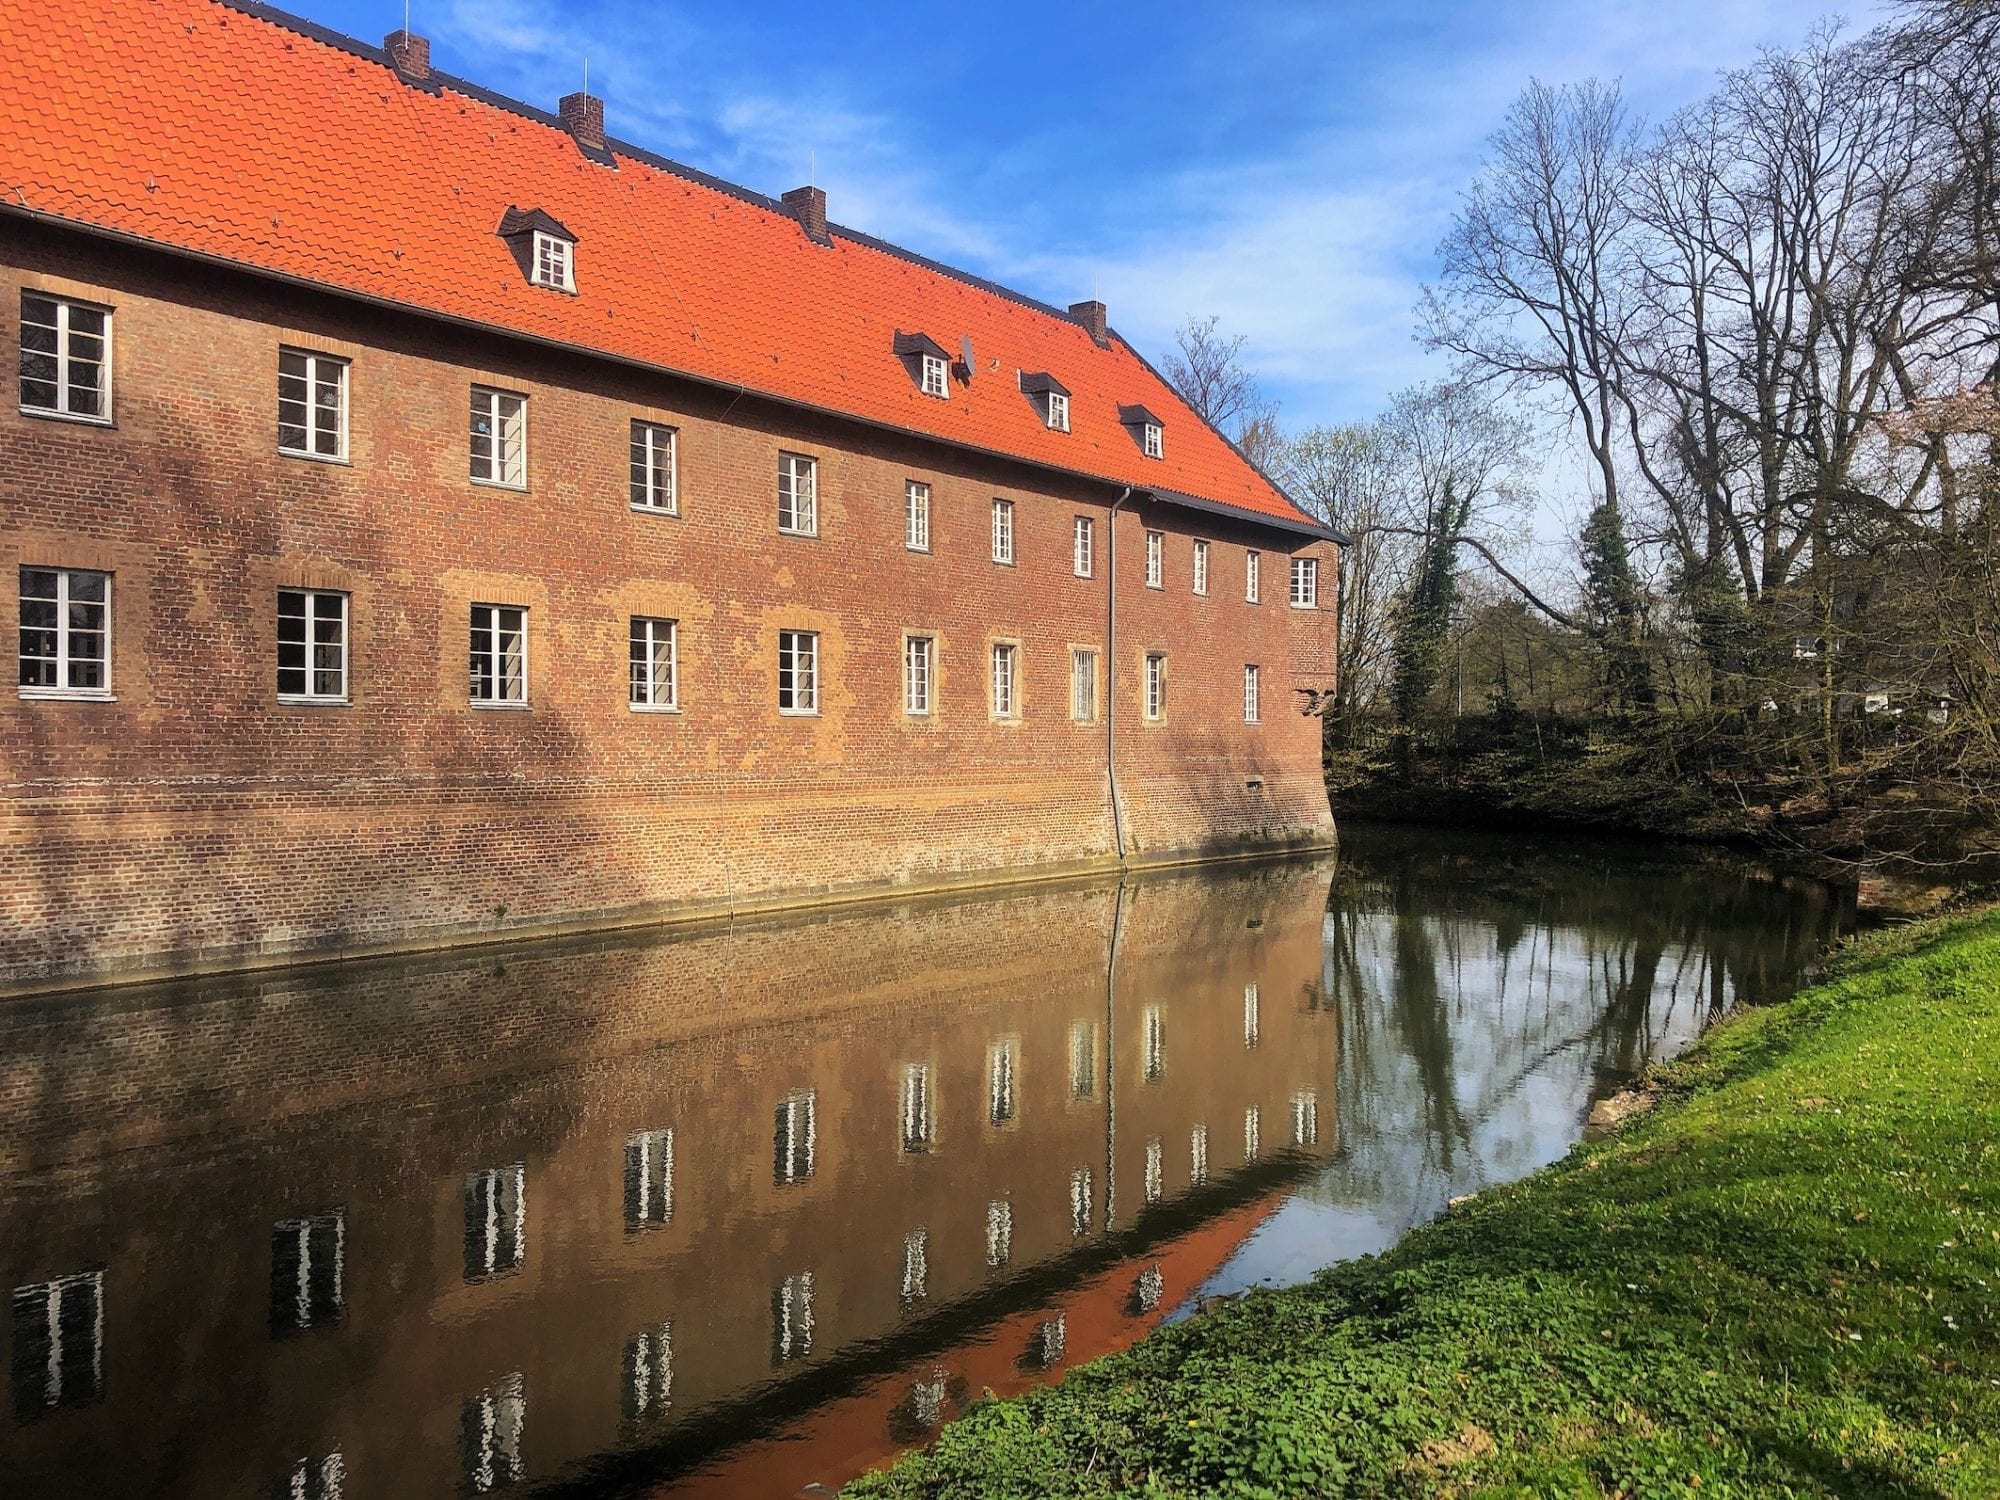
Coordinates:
(1111,671)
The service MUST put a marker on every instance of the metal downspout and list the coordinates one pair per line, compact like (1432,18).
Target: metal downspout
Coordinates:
(1111,674)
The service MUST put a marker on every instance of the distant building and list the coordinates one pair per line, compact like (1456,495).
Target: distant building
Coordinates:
(432,517)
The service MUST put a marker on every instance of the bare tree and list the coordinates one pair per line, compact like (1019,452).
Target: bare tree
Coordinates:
(1206,367)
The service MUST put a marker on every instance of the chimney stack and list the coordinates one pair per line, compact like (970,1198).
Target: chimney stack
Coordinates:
(808,206)
(1091,315)
(410,53)
(583,117)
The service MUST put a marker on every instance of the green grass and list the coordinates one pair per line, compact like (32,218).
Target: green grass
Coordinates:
(1786,1280)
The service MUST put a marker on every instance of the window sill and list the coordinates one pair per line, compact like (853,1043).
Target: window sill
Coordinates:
(1305,606)
(654,708)
(513,708)
(798,713)
(924,550)
(1003,562)
(304,700)
(339,461)
(65,695)
(1157,588)
(498,484)
(811,536)
(76,418)
(1086,577)
(656,510)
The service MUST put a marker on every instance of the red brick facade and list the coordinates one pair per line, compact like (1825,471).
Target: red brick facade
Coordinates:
(195,819)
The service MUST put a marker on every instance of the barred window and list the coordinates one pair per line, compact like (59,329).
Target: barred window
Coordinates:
(499,654)
(312,646)
(1083,686)
(798,495)
(654,481)
(499,438)
(65,633)
(655,663)
(65,358)
(312,405)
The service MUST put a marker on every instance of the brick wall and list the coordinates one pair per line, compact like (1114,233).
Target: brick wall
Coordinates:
(196,820)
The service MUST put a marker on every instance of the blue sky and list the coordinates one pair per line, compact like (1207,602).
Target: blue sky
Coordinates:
(1287,167)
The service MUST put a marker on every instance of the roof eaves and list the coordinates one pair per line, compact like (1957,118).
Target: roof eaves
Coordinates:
(1304,525)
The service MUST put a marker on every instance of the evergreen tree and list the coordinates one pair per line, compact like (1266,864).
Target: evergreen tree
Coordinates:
(1615,610)
(1423,624)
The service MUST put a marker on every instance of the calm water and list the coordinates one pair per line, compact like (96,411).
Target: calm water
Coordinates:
(735,1211)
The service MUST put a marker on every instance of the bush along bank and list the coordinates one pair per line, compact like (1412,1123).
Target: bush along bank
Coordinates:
(1783,1281)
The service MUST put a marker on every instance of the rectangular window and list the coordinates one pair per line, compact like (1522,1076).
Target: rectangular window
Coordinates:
(1155,1044)
(1156,1170)
(1201,567)
(999,1233)
(1006,682)
(1154,446)
(496,1222)
(656,664)
(916,1266)
(1082,1060)
(936,381)
(65,633)
(1305,583)
(1252,588)
(798,495)
(916,516)
(58,1342)
(308,1268)
(65,358)
(647,1373)
(793,1138)
(1252,1133)
(919,1117)
(1003,531)
(919,671)
(1156,687)
(555,261)
(1085,547)
(649,1180)
(1082,1195)
(1198,1155)
(490,1427)
(798,672)
(1249,695)
(655,485)
(1156,560)
(499,438)
(1083,686)
(1000,1083)
(1252,1006)
(1305,1119)
(499,654)
(792,1318)
(1058,411)
(312,404)
(312,646)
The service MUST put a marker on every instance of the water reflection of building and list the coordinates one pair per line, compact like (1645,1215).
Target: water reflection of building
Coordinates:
(434,1226)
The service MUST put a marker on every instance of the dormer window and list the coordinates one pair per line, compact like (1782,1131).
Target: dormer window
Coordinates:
(935,377)
(927,360)
(1146,427)
(1050,396)
(1058,412)
(541,247)
(552,262)
(1151,439)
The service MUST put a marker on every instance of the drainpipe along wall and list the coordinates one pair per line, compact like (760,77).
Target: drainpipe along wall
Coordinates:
(1111,671)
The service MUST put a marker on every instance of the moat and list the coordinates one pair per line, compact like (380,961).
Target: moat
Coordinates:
(740,1210)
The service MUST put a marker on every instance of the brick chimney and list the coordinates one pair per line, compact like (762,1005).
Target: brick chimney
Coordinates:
(410,53)
(808,206)
(583,117)
(1092,316)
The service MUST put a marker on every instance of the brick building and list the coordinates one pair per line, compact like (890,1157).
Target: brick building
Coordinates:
(435,518)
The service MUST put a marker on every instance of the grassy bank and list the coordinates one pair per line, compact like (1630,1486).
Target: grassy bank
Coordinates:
(1786,1280)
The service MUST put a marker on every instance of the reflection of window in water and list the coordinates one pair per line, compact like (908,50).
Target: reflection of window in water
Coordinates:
(1149,1288)
(1198,1156)
(1251,1004)
(1082,1194)
(792,1139)
(490,1430)
(792,1318)
(315,1479)
(919,1113)
(648,1384)
(927,1398)
(1051,1341)
(1156,1044)
(1000,1082)
(916,1266)
(1082,1060)
(58,1342)
(1305,1119)
(496,1230)
(308,1271)
(649,1179)
(1155,1170)
(1251,1129)
(999,1233)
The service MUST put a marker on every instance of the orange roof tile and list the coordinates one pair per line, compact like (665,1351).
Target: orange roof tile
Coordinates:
(237,132)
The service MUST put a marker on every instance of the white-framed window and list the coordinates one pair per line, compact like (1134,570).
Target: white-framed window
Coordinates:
(792,1318)
(937,376)
(65,358)
(916,516)
(499,438)
(1156,1170)
(555,261)
(1249,694)
(1000,1067)
(794,1138)
(647,1375)
(1003,531)
(1083,686)
(1006,680)
(312,646)
(649,1180)
(308,1271)
(1198,1155)
(655,468)
(1155,1044)
(312,405)
(919,673)
(59,1342)
(1156,560)
(919,1110)
(1305,1118)
(1305,583)
(1201,567)
(1253,1130)
(496,1221)
(655,663)
(916,1266)
(1152,439)
(490,1430)
(1082,1060)
(1058,411)
(798,495)
(499,654)
(1156,686)
(1082,1197)
(1252,1014)
(798,672)
(1252,584)
(65,633)
(1083,548)
(999,1233)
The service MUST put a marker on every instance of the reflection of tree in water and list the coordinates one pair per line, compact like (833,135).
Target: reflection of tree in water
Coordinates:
(1487,992)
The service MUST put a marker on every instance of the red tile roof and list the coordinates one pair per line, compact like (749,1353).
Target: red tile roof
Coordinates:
(237,132)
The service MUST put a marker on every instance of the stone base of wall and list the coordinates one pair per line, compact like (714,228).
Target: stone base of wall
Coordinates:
(100,884)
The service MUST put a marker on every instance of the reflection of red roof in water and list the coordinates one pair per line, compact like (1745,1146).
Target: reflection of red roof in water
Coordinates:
(845,1438)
